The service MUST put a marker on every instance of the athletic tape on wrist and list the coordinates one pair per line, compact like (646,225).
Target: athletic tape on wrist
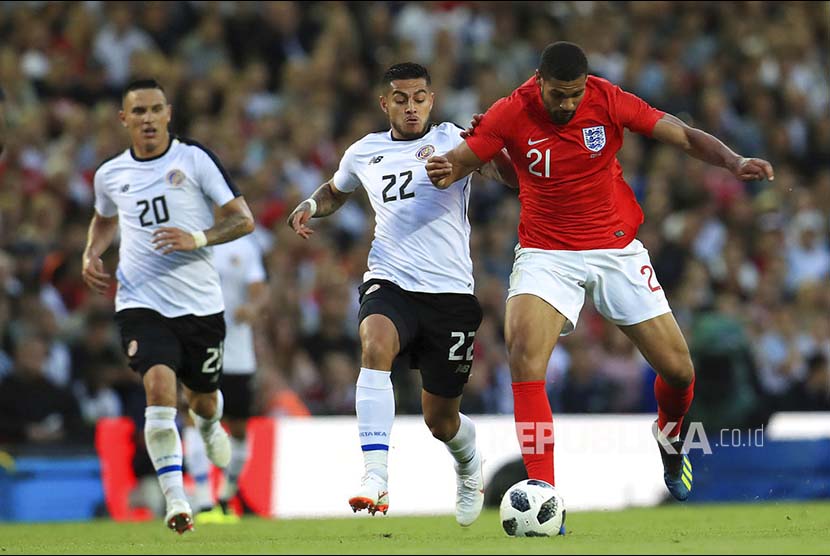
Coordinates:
(200,238)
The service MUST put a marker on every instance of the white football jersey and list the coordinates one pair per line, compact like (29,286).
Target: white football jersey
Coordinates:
(178,188)
(239,263)
(422,233)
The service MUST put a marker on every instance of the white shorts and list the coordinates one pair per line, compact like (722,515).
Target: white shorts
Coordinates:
(621,282)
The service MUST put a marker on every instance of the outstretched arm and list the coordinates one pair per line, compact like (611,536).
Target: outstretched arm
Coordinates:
(501,169)
(326,200)
(445,170)
(705,147)
(234,220)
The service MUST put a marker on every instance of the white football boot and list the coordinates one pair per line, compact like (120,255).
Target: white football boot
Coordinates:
(179,516)
(469,494)
(373,495)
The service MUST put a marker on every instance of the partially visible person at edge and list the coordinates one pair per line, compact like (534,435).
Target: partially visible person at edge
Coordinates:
(245,291)
(2,121)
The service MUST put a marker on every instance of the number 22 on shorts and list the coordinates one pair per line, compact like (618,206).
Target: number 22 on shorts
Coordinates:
(653,285)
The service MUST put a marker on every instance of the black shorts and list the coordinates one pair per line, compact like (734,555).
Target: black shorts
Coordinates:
(238,391)
(436,330)
(190,345)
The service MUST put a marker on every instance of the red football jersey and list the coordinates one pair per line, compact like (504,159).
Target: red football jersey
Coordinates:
(571,187)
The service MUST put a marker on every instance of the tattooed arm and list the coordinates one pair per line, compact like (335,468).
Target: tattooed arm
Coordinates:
(327,198)
(234,219)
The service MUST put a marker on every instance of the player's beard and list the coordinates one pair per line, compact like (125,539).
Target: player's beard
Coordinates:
(560,117)
(406,134)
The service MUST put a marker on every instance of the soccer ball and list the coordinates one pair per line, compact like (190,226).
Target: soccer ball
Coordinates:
(532,508)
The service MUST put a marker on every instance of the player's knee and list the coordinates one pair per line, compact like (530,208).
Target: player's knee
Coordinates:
(525,365)
(160,386)
(678,370)
(442,427)
(160,394)
(377,353)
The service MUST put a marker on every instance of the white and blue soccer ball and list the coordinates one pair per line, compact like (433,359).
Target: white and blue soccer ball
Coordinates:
(532,508)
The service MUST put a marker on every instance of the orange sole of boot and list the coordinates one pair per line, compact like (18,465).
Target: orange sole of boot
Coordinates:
(360,503)
(180,523)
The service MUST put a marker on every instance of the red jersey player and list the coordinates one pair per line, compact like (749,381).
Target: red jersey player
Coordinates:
(563,128)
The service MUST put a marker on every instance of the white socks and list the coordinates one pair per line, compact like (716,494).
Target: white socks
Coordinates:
(239,456)
(165,448)
(375,407)
(198,465)
(462,446)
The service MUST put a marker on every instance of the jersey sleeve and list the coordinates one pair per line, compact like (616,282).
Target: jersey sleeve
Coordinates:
(634,113)
(104,205)
(488,138)
(213,179)
(345,178)
(454,133)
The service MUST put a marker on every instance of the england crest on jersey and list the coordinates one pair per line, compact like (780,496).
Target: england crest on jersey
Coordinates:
(594,137)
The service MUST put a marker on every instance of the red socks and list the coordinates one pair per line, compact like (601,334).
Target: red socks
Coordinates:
(534,428)
(672,404)
(534,421)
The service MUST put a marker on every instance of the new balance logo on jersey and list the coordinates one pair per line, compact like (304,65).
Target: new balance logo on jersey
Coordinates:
(463,369)
(376,160)
(125,188)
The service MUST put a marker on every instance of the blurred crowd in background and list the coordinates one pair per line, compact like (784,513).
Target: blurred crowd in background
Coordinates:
(278,90)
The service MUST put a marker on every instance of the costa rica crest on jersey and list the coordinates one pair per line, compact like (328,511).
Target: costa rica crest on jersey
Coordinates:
(594,138)
(175,177)
(425,152)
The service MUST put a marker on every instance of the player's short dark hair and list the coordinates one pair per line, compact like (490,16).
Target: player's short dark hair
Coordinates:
(405,70)
(139,84)
(563,61)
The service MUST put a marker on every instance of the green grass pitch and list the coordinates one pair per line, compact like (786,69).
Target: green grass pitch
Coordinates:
(763,528)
